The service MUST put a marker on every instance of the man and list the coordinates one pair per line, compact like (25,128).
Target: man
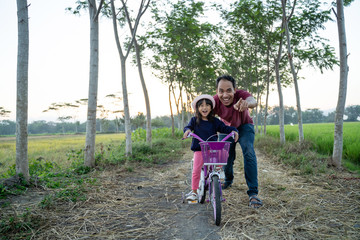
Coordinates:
(232,107)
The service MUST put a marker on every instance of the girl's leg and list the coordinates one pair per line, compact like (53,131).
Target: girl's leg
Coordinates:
(197,165)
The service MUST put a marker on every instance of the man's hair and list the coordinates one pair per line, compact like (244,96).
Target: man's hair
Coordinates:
(225,77)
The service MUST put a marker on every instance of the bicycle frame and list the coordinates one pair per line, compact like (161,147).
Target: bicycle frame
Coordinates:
(214,154)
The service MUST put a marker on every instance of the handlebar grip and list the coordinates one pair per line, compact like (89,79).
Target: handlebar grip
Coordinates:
(228,136)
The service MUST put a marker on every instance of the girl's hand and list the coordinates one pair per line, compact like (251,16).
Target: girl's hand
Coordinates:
(186,133)
(236,137)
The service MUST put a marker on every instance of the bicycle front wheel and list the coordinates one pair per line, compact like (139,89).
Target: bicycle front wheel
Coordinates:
(216,199)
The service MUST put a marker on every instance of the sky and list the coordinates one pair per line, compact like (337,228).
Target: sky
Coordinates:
(59,64)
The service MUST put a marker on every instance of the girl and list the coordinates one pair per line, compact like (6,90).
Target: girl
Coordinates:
(204,124)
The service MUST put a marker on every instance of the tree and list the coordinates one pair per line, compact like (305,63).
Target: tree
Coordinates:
(89,153)
(80,103)
(103,115)
(304,45)
(157,122)
(182,52)
(116,100)
(253,49)
(353,113)
(123,56)
(4,113)
(22,162)
(290,115)
(330,117)
(313,115)
(344,68)
(94,11)
(7,127)
(139,121)
(292,67)
(142,80)
(63,114)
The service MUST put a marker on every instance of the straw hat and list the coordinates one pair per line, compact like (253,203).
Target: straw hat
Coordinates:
(200,97)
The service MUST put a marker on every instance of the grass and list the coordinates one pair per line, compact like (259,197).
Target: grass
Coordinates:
(51,148)
(298,156)
(321,139)
(56,163)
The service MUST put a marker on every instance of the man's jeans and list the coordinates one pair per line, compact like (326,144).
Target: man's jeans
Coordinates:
(246,141)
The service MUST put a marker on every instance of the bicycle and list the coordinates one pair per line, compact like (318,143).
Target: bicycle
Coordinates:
(215,154)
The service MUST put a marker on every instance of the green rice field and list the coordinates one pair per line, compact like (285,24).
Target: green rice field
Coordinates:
(52,148)
(322,137)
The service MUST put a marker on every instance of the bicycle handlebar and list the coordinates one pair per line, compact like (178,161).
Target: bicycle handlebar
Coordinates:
(198,138)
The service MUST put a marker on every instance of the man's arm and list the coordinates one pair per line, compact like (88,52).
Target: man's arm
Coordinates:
(242,104)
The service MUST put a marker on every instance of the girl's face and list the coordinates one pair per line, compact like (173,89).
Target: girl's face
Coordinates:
(204,109)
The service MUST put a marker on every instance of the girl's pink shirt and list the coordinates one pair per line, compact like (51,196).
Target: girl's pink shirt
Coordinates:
(229,115)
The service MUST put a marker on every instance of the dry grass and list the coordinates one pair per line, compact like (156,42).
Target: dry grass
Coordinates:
(146,204)
(295,207)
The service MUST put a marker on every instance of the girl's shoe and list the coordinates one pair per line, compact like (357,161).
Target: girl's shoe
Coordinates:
(192,196)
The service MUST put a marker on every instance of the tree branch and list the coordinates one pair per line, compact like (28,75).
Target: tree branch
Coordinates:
(334,12)
(98,10)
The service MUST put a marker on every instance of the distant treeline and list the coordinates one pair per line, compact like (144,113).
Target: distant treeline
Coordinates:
(7,127)
(314,115)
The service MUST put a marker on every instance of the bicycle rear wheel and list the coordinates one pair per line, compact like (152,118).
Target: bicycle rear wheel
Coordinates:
(202,189)
(216,199)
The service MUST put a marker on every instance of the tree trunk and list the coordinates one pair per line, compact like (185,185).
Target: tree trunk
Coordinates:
(146,95)
(172,114)
(89,154)
(267,84)
(123,57)
(339,115)
(22,163)
(128,147)
(177,102)
(281,101)
(289,53)
(257,103)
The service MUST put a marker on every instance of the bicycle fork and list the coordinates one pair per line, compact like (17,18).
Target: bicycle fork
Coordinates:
(210,179)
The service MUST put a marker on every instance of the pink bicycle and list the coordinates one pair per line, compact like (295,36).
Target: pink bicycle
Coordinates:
(215,154)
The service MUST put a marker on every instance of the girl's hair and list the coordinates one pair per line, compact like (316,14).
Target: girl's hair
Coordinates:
(198,116)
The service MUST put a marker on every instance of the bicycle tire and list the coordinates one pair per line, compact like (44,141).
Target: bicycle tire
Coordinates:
(202,189)
(216,199)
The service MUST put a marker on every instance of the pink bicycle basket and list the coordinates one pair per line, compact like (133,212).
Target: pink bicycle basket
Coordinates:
(215,153)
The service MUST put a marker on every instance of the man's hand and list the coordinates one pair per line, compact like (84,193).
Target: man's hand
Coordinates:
(242,104)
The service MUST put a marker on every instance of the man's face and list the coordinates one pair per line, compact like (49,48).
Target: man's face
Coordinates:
(225,92)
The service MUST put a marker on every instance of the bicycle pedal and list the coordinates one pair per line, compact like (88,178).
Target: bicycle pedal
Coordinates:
(192,201)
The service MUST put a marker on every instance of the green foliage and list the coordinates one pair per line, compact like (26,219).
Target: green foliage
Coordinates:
(352,113)
(183,46)
(65,195)
(162,150)
(299,156)
(140,134)
(21,225)
(164,147)
(321,137)
(4,113)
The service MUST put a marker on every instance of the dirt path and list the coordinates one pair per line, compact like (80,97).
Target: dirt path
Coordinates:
(146,204)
